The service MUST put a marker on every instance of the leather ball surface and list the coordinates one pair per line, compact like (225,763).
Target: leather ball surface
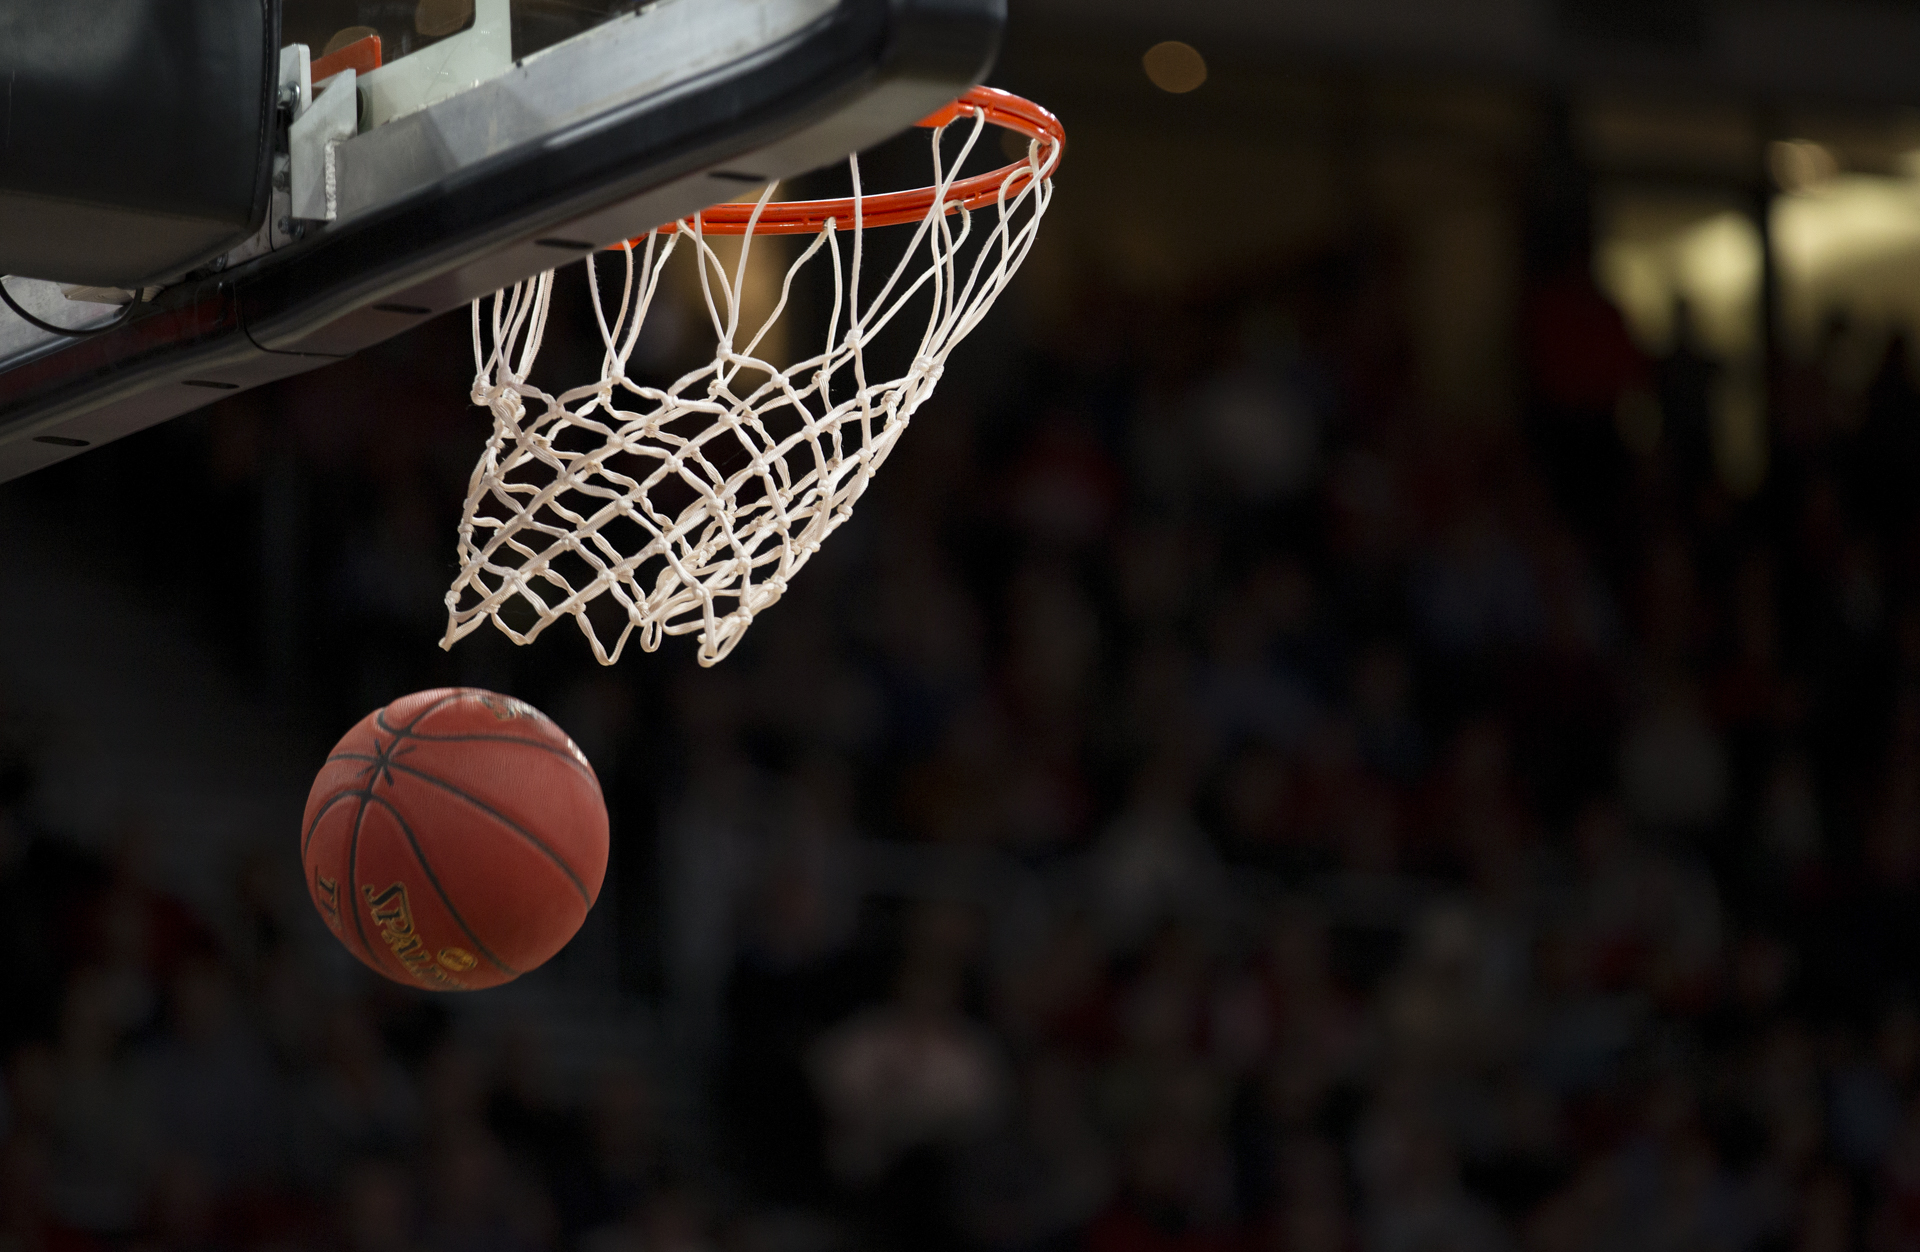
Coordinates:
(455,839)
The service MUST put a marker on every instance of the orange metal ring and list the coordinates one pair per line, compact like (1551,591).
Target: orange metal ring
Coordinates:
(807,217)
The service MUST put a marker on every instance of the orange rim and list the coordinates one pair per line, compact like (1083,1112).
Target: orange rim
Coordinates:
(896,208)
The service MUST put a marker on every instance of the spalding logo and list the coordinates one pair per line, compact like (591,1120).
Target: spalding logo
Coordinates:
(395,918)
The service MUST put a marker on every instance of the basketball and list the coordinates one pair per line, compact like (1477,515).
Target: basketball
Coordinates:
(454,839)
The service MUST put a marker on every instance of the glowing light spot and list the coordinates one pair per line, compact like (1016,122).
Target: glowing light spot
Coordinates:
(1175,67)
(1800,164)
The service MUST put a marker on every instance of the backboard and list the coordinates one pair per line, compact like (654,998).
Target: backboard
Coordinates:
(436,165)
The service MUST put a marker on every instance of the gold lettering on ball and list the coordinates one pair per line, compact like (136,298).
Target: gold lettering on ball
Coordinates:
(395,918)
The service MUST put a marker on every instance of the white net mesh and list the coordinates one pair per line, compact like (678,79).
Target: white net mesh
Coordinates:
(692,507)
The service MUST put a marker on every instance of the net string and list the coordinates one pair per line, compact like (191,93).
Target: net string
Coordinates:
(565,504)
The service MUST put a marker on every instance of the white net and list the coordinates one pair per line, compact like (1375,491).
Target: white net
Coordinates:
(692,507)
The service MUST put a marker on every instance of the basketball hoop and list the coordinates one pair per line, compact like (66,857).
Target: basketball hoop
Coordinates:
(694,509)
(806,217)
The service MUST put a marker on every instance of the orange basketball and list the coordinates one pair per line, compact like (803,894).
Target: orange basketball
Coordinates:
(455,839)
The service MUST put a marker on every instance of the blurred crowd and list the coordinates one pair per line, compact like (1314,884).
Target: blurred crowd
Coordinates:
(1206,801)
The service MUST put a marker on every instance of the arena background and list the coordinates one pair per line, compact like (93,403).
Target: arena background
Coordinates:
(1378,710)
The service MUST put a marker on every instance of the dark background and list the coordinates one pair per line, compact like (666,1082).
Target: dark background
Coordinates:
(1377,709)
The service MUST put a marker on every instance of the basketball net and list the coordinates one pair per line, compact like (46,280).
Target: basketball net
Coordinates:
(693,506)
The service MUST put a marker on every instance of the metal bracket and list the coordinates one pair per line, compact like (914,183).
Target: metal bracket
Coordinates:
(296,77)
(314,173)
(447,68)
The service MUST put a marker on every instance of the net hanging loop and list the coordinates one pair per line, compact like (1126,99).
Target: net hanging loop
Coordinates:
(689,508)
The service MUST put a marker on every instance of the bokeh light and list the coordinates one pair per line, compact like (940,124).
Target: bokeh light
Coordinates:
(1175,67)
(1800,164)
